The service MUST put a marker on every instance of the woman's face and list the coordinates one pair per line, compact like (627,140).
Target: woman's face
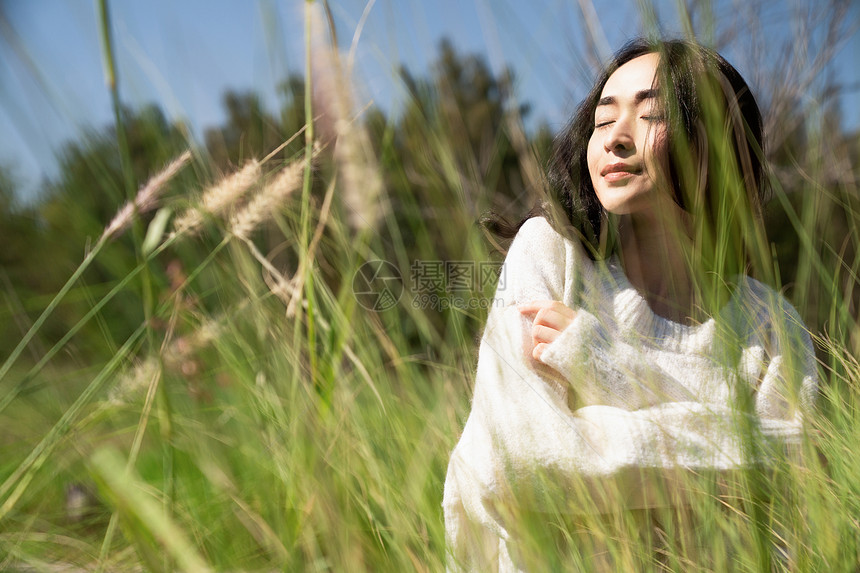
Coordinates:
(627,150)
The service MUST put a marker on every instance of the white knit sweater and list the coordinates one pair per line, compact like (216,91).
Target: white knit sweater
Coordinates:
(622,392)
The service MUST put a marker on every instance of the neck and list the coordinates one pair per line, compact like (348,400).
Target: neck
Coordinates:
(654,251)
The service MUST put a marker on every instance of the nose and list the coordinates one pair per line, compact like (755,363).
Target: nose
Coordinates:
(619,137)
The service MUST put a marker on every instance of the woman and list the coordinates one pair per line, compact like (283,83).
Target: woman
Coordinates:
(632,351)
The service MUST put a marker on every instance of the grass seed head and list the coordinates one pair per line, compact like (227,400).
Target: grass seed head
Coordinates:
(146,198)
(267,201)
(360,183)
(219,197)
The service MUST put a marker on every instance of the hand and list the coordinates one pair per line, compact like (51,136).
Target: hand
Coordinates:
(551,317)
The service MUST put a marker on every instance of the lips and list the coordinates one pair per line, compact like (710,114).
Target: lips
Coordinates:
(619,173)
(619,168)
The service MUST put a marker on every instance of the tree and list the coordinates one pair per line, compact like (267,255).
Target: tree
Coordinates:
(452,155)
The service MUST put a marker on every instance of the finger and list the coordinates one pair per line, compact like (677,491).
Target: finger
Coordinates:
(557,316)
(534,306)
(538,351)
(550,318)
(544,334)
(538,306)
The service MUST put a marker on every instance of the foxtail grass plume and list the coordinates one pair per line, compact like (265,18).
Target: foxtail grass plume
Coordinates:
(146,198)
(358,171)
(133,382)
(267,201)
(219,197)
(179,352)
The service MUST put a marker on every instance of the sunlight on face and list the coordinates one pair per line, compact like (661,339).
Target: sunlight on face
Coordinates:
(628,145)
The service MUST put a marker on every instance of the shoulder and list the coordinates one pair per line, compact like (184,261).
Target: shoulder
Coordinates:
(538,237)
(535,241)
(764,300)
(541,263)
(765,308)
(538,230)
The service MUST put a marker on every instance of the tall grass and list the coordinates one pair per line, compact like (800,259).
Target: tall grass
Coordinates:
(261,418)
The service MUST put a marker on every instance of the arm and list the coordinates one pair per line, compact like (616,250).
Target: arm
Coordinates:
(475,484)
(786,391)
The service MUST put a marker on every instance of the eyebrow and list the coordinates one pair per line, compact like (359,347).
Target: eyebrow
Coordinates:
(640,96)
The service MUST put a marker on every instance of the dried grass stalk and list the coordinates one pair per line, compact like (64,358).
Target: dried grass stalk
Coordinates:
(359,178)
(146,198)
(267,201)
(219,197)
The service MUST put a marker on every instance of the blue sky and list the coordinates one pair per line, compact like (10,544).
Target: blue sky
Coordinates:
(184,54)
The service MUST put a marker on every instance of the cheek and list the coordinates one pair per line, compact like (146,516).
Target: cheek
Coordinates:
(657,154)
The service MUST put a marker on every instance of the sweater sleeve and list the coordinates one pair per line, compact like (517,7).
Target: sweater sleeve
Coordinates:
(786,391)
(540,265)
(475,485)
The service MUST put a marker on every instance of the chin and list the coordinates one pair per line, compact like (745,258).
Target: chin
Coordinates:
(625,205)
(627,200)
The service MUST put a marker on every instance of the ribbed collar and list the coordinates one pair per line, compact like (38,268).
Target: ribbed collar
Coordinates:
(638,323)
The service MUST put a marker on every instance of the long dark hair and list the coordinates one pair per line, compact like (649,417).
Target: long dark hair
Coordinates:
(715,142)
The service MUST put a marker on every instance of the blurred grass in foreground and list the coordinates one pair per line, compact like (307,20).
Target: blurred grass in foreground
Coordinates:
(248,413)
